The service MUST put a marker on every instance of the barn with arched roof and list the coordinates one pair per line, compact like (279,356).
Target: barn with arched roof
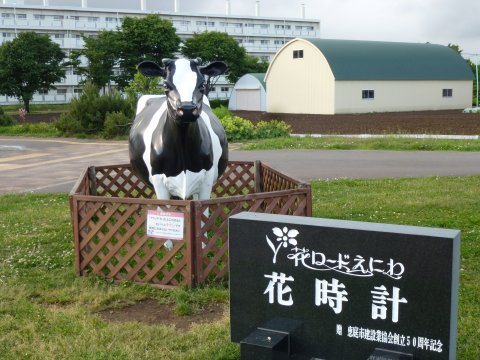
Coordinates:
(326,76)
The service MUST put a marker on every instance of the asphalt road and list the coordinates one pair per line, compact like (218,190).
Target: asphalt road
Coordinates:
(53,165)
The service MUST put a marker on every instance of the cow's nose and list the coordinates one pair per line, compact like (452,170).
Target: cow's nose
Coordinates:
(188,108)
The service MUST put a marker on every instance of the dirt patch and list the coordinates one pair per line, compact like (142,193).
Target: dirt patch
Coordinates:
(37,118)
(151,312)
(415,122)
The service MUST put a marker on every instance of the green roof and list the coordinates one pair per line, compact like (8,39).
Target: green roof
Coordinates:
(260,77)
(376,60)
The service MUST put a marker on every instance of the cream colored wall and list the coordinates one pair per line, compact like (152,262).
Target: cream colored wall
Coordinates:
(401,96)
(300,86)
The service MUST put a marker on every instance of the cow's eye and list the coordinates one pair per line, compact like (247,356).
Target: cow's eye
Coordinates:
(167,86)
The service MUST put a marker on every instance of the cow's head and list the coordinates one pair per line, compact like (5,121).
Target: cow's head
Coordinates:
(184,84)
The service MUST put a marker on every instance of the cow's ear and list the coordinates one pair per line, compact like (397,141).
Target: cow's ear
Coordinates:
(214,69)
(150,68)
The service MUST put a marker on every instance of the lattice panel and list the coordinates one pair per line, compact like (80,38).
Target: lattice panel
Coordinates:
(212,230)
(113,243)
(238,179)
(109,207)
(120,181)
(273,180)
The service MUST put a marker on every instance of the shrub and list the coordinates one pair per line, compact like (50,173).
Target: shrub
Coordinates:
(216,103)
(68,125)
(272,129)
(237,128)
(116,124)
(221,112)
(6,120)
(87,114)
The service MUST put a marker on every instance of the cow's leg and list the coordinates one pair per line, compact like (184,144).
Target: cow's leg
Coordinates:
(159,187)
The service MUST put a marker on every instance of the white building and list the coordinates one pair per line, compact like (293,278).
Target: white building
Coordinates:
(249,93)
(348,76)
(260,36)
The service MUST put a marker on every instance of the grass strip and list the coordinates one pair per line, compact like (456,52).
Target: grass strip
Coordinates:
(343,143)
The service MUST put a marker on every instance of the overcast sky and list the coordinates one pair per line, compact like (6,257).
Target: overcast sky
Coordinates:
(435,21)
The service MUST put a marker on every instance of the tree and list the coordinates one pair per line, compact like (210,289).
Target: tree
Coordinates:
(143,85)
(29,63)
(219,46)
(147,38)
(471,64)
(101,53)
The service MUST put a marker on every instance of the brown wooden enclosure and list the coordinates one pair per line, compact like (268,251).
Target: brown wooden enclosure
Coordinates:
(109,207)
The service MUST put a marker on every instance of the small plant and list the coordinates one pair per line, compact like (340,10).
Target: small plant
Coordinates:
(272,129)
(221,111)
(6,120)
(116,124)
(237,128)
(22,114)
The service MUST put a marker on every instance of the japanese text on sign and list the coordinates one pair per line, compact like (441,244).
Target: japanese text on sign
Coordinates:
(165,225)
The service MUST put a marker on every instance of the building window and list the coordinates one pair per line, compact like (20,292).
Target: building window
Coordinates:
(213,89)
(206,23)
(92,19)
(58,17)
(279,42)
(224,89)
(39,17)
(368,94)
(111,19)
(74,17)
(61,91)
(6,15)
(21,16)
(264,57)
(282,27)
(264,42)
(447,93)
(298,54)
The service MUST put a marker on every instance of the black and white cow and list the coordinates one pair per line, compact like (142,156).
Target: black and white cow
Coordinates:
(176,143)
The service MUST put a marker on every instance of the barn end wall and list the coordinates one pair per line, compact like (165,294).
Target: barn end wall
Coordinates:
(393,96)
(302,85)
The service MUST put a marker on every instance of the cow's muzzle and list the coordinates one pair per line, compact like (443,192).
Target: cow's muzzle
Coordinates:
(188,111)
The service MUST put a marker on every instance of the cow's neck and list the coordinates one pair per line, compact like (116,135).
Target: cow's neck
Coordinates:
(192,143)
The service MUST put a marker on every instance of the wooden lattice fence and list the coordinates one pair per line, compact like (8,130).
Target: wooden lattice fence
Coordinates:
(109,207)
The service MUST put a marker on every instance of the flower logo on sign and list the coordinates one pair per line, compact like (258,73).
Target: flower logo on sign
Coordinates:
(284,237)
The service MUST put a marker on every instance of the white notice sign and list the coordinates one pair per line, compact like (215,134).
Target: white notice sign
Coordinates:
(165,225)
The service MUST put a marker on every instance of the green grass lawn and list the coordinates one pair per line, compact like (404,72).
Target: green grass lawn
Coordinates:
(343,143)
(46,312)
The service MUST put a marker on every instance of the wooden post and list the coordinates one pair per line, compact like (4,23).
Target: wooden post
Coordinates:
(258,176)
(92,177)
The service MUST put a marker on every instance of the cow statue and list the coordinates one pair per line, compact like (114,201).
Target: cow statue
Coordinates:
(176,143)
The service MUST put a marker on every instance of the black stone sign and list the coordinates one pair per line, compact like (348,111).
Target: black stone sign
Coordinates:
(352,290)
